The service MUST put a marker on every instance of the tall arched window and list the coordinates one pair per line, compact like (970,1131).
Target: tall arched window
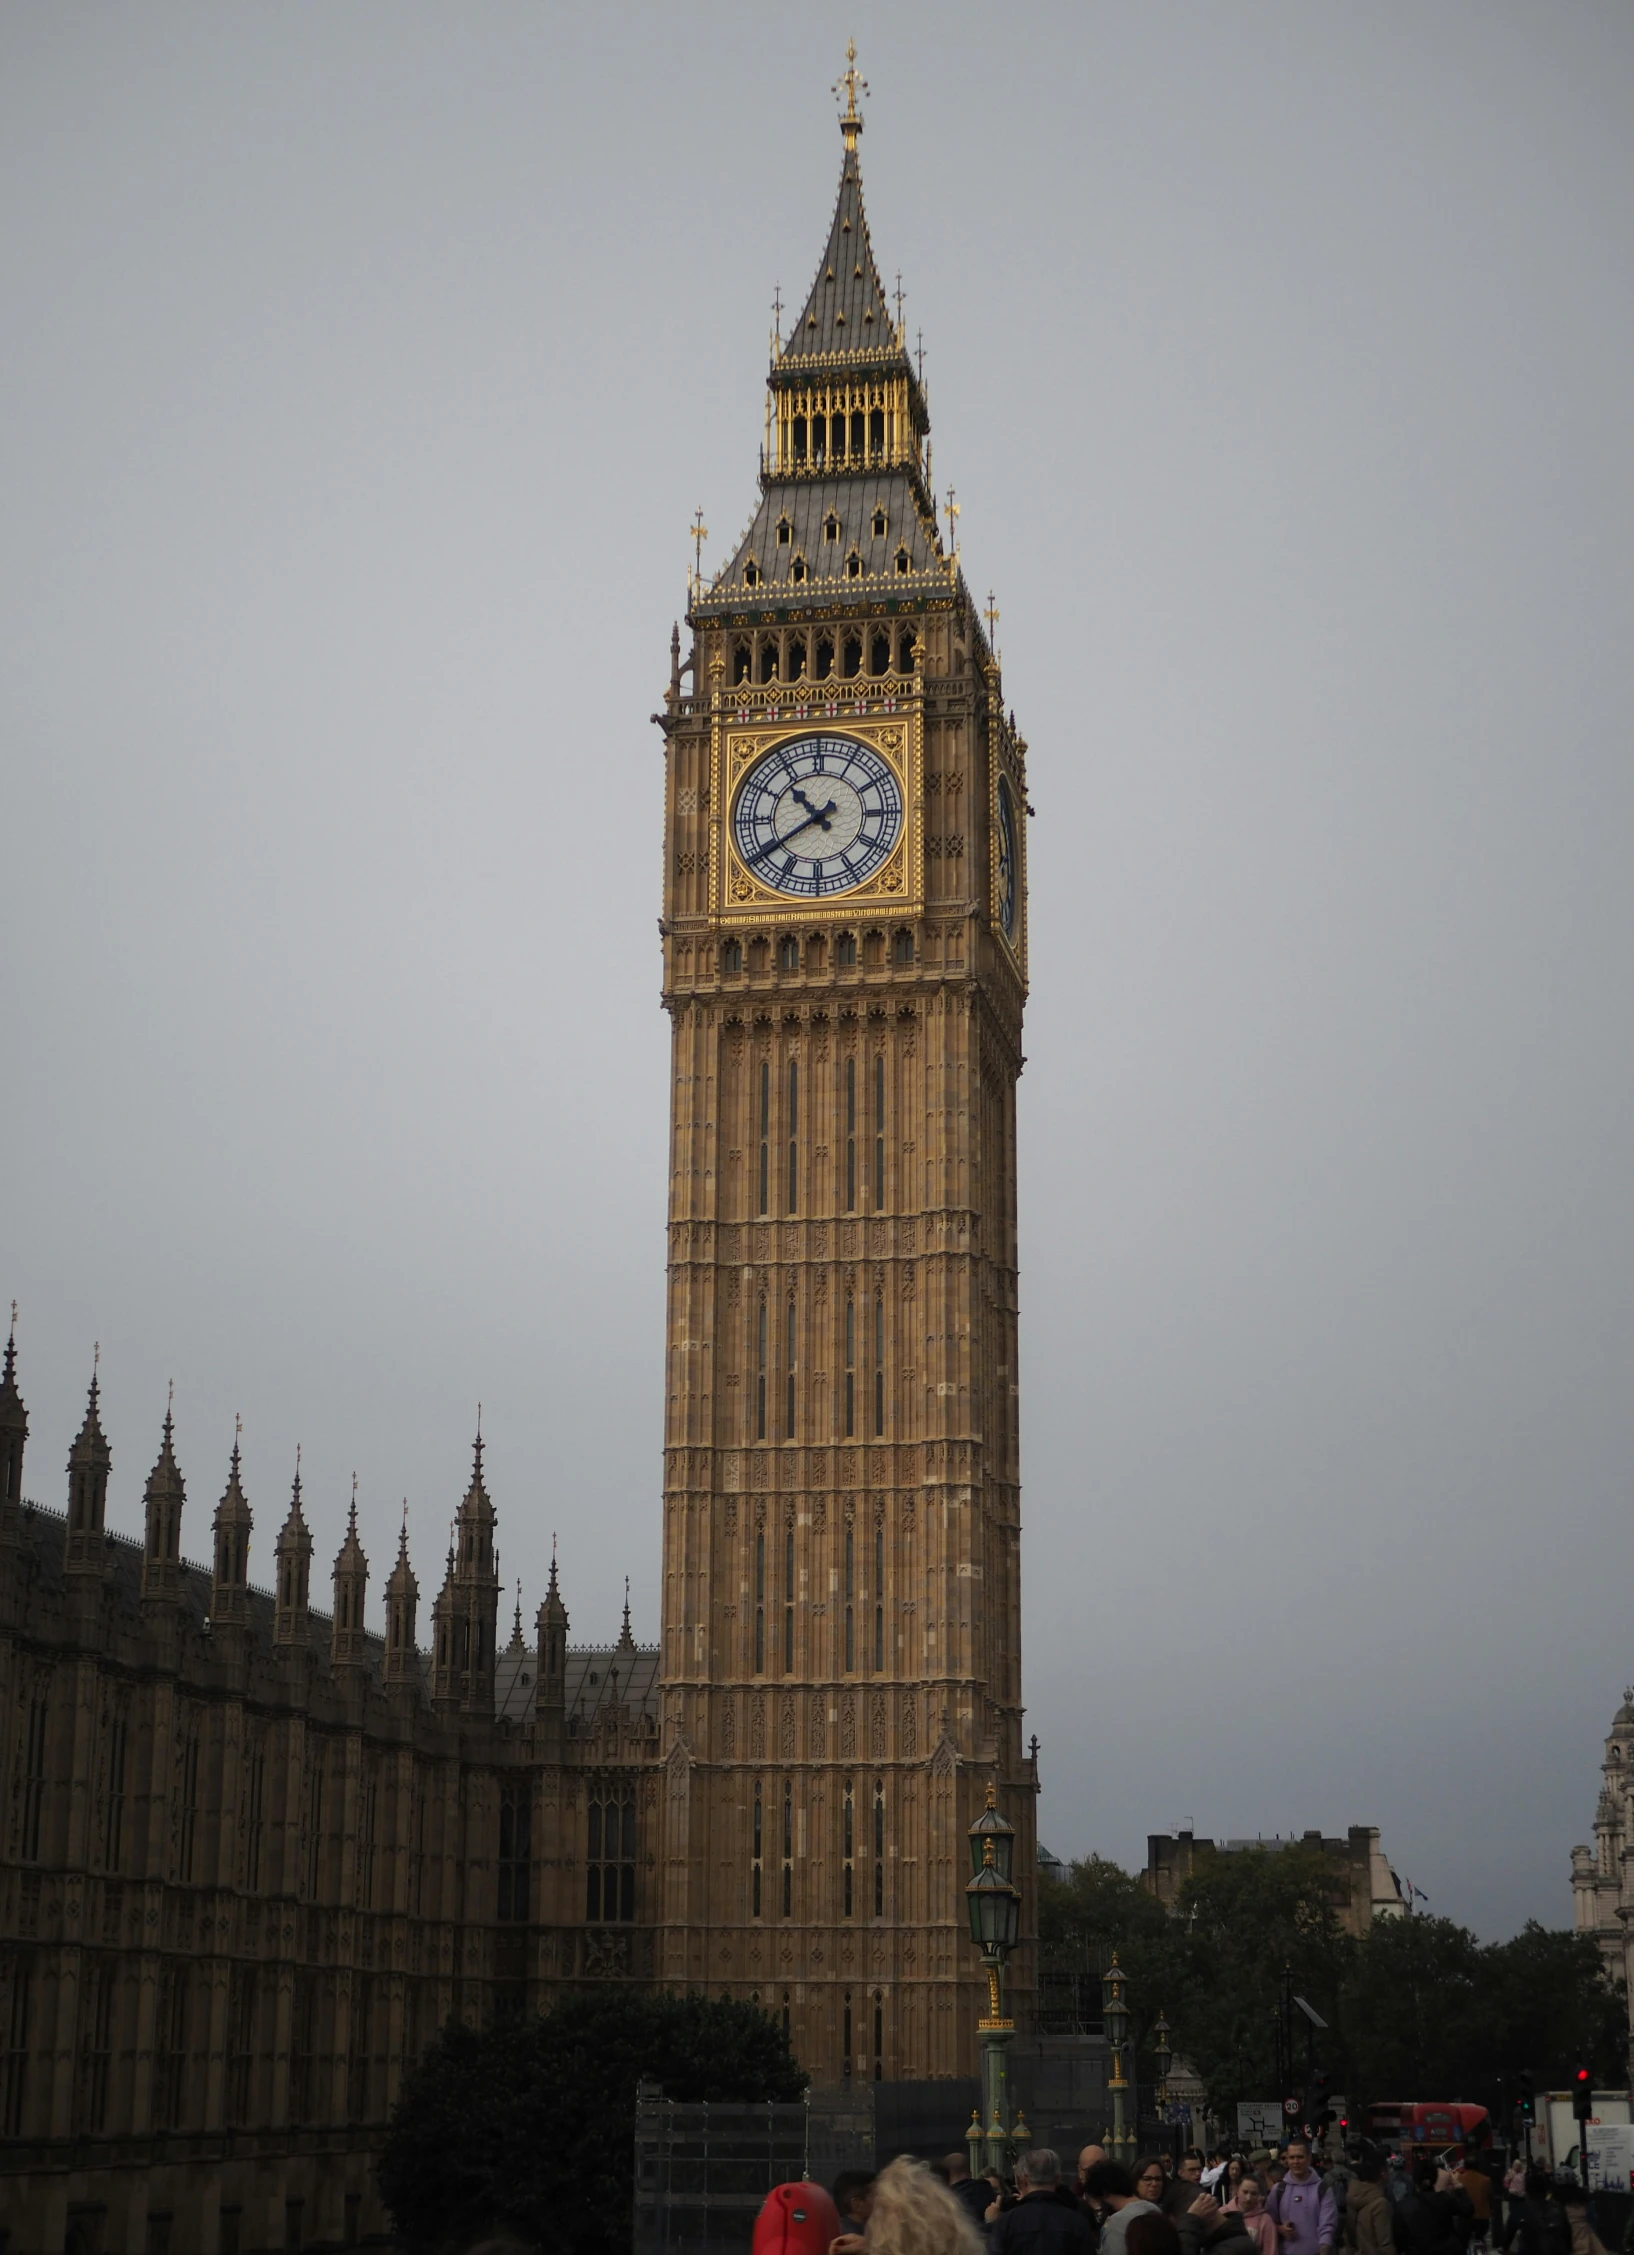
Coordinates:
(788,1601)
(765,1133)
(848,1849)
(760,1376)
(851,1127)
(794,1132)
(879,1850)
(879,1599)
(788,1375)
(879,1368)
(850,1368)
(755,1856)
(760,1604)
(788,1849)
(850,1594)
(879,1132)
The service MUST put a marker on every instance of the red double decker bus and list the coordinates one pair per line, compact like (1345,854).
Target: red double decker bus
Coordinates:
(1432,2122)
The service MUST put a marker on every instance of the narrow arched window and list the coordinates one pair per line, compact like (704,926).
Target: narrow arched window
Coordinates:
(794,1120)
(879,1133)
(850,1111)
(788,1602)
(788,1374)
(848,1844)
(732,956)
(765,1133)
(879,1368)
(879,1851)
(788,1865)
(879,1599)
(850,1594)
(850,1371)
(760,1376)
(760,1626)
(754,1859)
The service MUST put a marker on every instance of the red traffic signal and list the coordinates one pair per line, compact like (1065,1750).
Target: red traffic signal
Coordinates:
(1583,2095)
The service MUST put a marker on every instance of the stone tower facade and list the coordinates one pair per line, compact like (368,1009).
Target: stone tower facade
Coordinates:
(1603,1876)
(845,953)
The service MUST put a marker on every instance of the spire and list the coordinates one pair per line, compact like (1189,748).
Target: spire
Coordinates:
(402,1604)
(626,1638)
(293,1570)
(13,1430)
(516,1644)
(351,1580)
(229,1594)
(848,308)
(89,1462)
(163,1499)
(550,1630)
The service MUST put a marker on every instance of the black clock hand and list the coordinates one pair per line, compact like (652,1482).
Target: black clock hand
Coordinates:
(773,843)
(815,812)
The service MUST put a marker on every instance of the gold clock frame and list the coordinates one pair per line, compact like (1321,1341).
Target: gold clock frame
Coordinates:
(896,736)
(1015,942)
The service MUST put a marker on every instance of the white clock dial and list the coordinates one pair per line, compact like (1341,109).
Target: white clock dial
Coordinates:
(817,815)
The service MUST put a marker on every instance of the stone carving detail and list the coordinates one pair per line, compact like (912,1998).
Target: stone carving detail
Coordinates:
(877,1729)
(787,1740)
(910,1729)
(848,1727)
(757,1728)
(729,1730)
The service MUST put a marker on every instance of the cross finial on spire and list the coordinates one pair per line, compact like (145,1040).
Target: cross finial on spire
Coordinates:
(96,1369)
(991,614)
(700,533)
(854,84)
(626,1605)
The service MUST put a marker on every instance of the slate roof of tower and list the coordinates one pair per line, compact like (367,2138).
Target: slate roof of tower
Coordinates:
(846,309)
(807,503)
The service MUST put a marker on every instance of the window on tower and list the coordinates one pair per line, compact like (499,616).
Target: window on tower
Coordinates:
(858,427)
(797,572)
(765,1134)
(788,953)
(851,660)
(853,566)
(879,524)
(797,642)
(823,661)
(785,532)
(760,1619)
(850,1378)
(879,1600)
(798,435)
(902,560)
(906,643)
(902,947)
(768,659)
(760,1379)
(515,1851)
(845,951)
(848,1849)
(879,654)
(732,956)
(751,573)
(876,431)
(850,1577)
(788,1581)
(831,526)
(610,1855)
(794,1133)
(879,1368)
(755,1842)
(879,1133)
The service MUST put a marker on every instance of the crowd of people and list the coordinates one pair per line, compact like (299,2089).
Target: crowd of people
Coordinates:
(1297,2201)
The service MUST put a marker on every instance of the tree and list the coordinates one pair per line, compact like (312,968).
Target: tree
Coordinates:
(532,2123)
(1554,2009)
(1417,2012)
(1241,1918)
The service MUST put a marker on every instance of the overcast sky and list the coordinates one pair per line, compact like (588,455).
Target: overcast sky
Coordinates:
(363,366)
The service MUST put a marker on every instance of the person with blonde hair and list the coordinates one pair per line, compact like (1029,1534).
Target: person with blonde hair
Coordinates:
(913,2213)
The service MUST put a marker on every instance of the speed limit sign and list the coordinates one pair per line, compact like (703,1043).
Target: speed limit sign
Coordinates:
(1290,2107)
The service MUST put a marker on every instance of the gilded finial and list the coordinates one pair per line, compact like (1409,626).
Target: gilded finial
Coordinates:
(853,83)
(700,533)
(992,1795)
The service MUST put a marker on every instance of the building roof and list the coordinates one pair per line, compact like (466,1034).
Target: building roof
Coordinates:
(846,311)
(807,506)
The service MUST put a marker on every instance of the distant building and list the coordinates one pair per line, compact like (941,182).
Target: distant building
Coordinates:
(1603,1876)
(1364,1886)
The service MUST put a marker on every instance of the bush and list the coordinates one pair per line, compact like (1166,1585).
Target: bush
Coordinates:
(532,2124)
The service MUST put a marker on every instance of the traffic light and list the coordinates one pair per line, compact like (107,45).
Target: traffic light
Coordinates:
(1583,2095)
(1318,2113)
(1526,2097)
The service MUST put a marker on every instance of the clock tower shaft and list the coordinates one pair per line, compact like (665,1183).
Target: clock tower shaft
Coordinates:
(841,1643)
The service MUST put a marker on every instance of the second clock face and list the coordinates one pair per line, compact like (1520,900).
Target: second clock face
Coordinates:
(817,815)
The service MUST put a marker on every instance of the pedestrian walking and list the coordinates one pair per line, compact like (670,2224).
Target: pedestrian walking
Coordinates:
(1302,2207)
(1112,2189)
(1369,2219)
(1040,2223)
(1250,2205)
(913,2213)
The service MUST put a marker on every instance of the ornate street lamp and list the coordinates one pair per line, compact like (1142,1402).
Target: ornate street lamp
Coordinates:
(1115,2020)
(1163,2056)
(994,1904)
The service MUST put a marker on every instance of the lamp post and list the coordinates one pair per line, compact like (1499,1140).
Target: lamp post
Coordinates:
(1163,2058)
(994,1904)
(1115,2020)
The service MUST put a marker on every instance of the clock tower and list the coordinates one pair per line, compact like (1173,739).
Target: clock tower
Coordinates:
(845,957)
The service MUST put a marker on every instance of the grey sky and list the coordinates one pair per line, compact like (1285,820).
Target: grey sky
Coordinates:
(363,368)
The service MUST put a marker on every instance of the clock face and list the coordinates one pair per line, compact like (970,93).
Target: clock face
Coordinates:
(817,815)
(1007,860)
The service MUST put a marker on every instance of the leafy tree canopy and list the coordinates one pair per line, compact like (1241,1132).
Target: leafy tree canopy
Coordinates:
(532,2123)
(1416,2009)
